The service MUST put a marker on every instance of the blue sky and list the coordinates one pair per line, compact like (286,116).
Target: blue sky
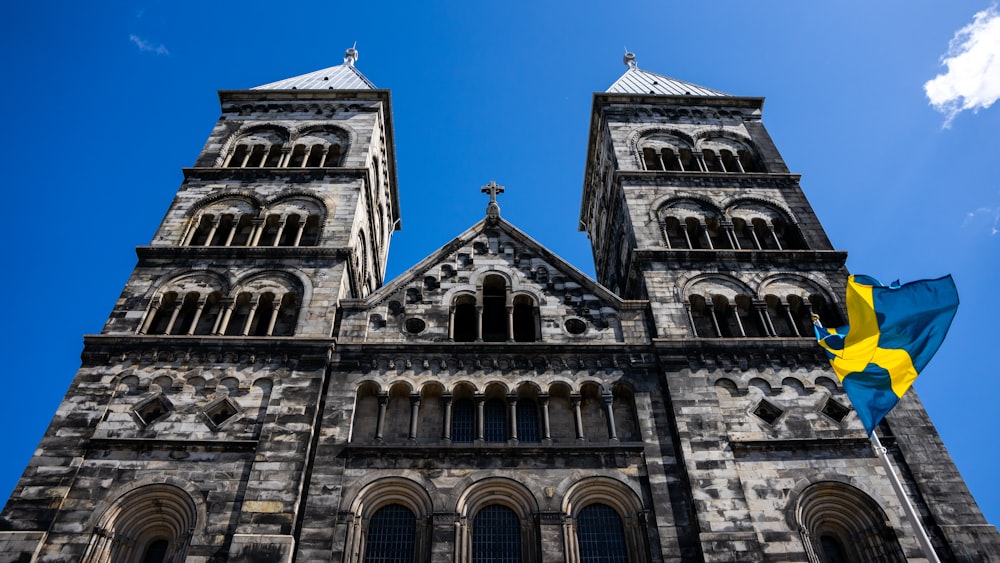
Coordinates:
(106,101)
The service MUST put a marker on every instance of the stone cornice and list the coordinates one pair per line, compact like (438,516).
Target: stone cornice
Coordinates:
(252,175)
(742,354)
(239,252)
(679,179)
(684,258)
(499,357)
(859,446)
(300,353)
(151,444)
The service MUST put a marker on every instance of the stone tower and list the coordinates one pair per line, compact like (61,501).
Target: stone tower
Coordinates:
(258,393)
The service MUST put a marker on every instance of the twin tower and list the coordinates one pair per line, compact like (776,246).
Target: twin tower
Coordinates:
(260,393)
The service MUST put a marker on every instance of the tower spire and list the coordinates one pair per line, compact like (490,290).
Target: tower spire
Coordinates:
(351,55)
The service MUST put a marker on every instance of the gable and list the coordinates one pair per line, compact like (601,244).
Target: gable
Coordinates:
(492,283)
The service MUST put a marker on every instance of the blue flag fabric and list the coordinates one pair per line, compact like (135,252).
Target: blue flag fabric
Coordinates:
(892,333)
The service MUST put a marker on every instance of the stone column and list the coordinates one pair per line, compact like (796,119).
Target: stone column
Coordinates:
(446,432)
(479,323)
(512,402)
(480,418)
(609,410)
(546,428)
(154,308)
(197,314)
(578,419)
(383,401)
(414,416)
(227,304)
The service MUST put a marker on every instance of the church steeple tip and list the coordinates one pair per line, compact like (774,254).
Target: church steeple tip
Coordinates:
(351,55)
(629,60)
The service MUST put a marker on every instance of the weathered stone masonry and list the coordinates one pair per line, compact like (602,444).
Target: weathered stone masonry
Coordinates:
(260,393)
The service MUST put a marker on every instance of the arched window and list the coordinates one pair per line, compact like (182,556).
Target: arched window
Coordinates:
(464,323)
(608,519)
(391,535)
(527,421)
(463,421)
(651,160)
(712,162)
(600,535)
(838,522)
(702,317)
(151,523)
(390,523)
(496,536)
(525,322)
(494,309)
(495,421)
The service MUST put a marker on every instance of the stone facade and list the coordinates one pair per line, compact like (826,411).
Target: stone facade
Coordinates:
(258,393)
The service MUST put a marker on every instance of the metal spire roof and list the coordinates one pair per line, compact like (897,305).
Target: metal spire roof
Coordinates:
(340,77)
(636,81)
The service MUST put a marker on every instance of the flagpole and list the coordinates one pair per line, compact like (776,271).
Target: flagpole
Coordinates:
(911,514)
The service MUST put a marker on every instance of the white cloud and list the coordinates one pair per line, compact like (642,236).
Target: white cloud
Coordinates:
(144,45)
(982,219)
(973,61)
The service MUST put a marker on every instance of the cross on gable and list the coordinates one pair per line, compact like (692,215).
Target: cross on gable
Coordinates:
(493,189)
(492,209)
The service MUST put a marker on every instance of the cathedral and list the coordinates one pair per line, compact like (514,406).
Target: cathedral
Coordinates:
(260,393)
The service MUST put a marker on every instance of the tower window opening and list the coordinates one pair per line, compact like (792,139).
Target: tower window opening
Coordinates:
(688,161)
(262,317)
(290,233)
(164,313)
(310,232)
(495,421)
(527,421)
(332,156)
(494,309)
(693,232)
(748,161)
(200,236)
(298,157)
(726,317)
(273,158)
(463,421)
(189,306)
(669,160)
(239,316)
(315,156)
(270,231)
(729,162)
(464,324)
(524,319)
(750,317)
(240,154)
(651,160)
(701,317)
(712,162)
(257,156)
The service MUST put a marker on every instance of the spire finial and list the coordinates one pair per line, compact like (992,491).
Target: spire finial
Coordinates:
(629,59)
(492,209)
(351,55)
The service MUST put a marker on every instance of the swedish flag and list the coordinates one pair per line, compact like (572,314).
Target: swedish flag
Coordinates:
(892,334)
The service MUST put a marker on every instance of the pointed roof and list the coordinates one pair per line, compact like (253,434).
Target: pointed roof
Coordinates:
(340,77)
(636,81)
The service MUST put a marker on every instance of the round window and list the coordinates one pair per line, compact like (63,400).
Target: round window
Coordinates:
(575,326)
(415,325)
